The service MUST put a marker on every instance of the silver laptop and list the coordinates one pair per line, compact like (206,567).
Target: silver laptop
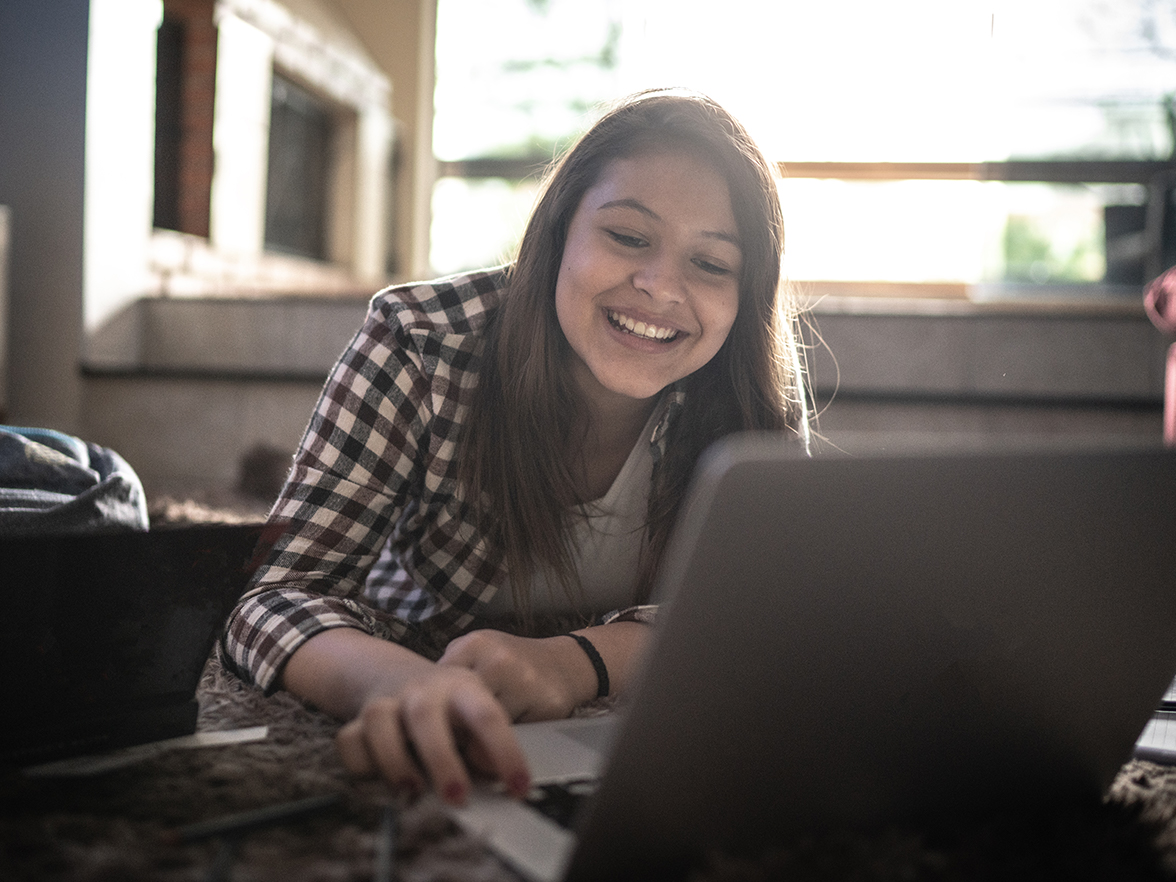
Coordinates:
(854,641)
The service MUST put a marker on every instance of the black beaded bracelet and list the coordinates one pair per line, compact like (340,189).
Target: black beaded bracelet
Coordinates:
(597,663)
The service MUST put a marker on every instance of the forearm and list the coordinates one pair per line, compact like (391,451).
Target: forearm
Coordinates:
(621,645)
(340,669)
(547,678)
(408,720)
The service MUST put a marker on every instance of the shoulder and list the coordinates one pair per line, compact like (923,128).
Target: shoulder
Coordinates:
(455,305)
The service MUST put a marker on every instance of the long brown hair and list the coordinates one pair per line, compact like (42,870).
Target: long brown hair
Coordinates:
(514,451)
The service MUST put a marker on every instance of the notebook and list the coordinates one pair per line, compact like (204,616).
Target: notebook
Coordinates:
(1157,744)
(856,641)
(104,637)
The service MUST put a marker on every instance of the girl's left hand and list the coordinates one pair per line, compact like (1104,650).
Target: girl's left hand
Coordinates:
(533,678)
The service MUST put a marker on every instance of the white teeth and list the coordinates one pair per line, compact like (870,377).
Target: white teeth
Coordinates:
(641,329)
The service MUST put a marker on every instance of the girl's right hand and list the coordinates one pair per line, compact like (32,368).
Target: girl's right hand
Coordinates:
(435,731)
(412,722)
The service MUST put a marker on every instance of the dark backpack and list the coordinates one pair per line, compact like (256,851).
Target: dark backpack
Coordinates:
(51,482)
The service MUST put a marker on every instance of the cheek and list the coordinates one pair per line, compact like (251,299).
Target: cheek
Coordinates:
(574,266)
(722,316)
(565,296)
(574,285)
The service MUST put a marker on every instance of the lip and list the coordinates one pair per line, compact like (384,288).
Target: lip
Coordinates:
(654,344)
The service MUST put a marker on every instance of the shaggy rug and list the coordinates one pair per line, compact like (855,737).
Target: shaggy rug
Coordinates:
(122,824)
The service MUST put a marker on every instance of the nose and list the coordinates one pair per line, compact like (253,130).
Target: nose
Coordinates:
(660,277)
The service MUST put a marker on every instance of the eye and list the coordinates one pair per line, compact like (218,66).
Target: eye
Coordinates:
(711,268)
(626,240)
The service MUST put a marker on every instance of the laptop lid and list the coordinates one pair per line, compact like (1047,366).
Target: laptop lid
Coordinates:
(104,637)
(858,641)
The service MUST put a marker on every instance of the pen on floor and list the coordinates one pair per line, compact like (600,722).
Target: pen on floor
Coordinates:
(386,845)
(241,821)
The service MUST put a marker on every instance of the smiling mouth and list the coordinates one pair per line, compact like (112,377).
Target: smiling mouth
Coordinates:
(640,329)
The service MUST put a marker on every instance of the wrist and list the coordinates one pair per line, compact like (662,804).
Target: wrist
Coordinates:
(599,668)
(340,669)
(575,674)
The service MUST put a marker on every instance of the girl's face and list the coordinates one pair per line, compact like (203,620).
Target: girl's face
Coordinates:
(648,287)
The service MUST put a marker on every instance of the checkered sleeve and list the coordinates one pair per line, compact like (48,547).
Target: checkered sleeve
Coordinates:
(358,464)
(645,614)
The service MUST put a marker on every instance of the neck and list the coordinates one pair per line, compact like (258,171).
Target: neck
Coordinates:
(607,432)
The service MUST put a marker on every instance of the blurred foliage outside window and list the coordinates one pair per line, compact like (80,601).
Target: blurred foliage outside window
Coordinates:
(852,81)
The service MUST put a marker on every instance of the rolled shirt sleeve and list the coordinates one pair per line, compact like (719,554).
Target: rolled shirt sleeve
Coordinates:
(377,459)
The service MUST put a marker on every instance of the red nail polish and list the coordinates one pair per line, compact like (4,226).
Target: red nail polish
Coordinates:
(520,784)
(454,792)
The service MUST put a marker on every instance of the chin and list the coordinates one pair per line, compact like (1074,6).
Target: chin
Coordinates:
(637,391)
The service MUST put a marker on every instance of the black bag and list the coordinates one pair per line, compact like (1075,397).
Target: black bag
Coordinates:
(51,482)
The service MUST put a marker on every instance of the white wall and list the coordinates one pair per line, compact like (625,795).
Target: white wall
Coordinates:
(240,137)
(120,154)
(373,151)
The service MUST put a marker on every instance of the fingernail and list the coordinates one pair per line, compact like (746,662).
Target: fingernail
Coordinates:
(520,784)
(454,793)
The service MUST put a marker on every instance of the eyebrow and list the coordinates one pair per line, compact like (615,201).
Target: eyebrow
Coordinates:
(644,209)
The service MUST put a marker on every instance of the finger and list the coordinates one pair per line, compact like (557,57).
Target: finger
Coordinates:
(473,650)
(349,741)
(493,657)
(428,727)
(374,742)
(389,748)
(459,653)
(492,745)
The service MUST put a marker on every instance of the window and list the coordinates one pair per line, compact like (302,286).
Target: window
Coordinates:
(992,147)
(299,171)
(169,66)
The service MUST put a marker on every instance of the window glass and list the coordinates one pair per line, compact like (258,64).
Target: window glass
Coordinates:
(856,81)
(169,47)
(298,171)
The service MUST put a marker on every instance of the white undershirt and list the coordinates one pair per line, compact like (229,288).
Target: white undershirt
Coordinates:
(606,543)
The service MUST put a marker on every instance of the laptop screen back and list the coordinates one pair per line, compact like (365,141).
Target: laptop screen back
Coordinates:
(852,642)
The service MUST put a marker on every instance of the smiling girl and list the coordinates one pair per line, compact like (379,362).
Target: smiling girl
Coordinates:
(477,511)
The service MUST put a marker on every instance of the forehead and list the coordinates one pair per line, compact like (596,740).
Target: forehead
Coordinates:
(668,185)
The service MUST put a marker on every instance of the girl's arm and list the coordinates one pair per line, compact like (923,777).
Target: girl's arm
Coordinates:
(547,678)
(417,723)
(401,706)
(370,451)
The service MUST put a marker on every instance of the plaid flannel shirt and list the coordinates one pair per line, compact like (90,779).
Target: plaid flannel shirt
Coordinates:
(378,538)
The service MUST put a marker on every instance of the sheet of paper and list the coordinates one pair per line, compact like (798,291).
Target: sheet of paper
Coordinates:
(116,759)
(1158,740)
